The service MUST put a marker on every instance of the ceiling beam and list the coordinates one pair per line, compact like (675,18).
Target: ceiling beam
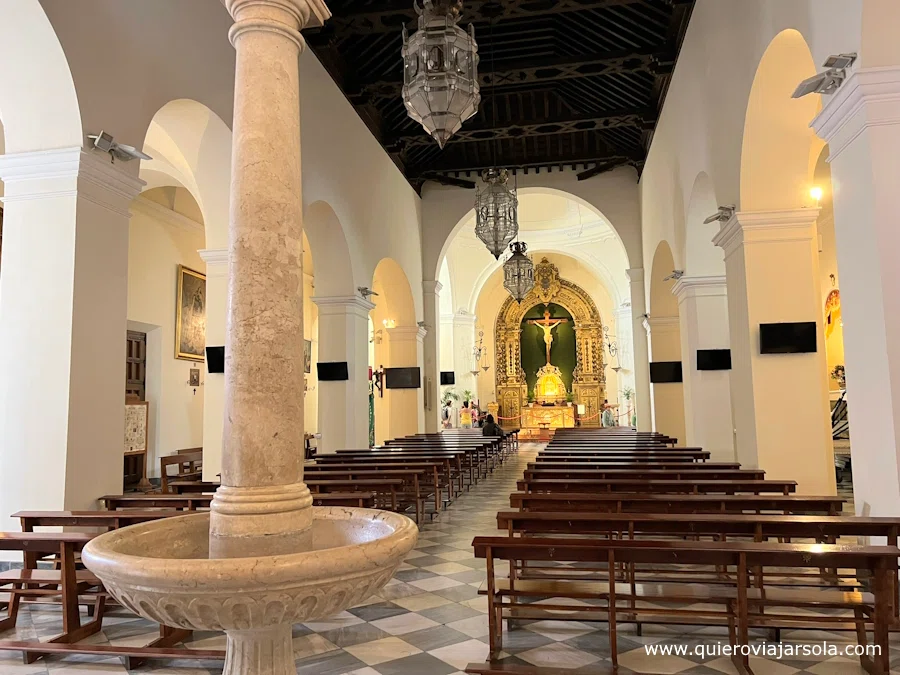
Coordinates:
(549,69)
(388,16)
(463,165)
(516,129)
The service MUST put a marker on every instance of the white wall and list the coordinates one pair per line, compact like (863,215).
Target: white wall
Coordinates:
(160,239)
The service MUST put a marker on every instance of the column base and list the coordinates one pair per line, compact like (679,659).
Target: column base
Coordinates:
(263,651)
(258,521)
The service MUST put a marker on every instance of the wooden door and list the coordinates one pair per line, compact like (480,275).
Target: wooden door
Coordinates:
(135,365)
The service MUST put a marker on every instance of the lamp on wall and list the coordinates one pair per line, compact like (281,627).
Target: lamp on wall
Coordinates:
(389,323)
(816,193)
(478,352)
(440,70)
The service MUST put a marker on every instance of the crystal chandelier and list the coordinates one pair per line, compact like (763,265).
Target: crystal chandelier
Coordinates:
(440,70)
(518,272)
(496,212)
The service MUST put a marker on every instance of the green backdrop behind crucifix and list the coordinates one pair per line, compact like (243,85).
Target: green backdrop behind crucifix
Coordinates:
(561,347)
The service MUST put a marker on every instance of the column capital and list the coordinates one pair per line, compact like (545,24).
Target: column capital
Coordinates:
(344,304)
(635,274)
(701,286)
(286,17)
(432,287)
(407,333)
(69,172)
(216,260)
(869,97)
(762,227)
(464,319)
(660,324)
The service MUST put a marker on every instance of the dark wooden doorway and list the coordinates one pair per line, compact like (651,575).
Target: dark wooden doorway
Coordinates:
(135,365)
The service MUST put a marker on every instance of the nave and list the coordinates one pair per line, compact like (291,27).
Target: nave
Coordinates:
(431,618)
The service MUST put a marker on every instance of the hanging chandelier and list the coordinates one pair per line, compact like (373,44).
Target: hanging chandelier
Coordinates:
(440,70)
(518,272)
(496,212)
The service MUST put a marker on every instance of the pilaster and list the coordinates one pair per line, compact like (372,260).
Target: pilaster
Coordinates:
(640,350)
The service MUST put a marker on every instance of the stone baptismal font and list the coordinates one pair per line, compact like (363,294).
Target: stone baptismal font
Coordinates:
(263,558)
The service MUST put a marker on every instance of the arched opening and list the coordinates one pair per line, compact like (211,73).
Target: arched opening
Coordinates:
(702,257)
(397,341)
(573,235)
(665,346)
(778,145)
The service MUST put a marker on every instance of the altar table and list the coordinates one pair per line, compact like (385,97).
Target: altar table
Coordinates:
(555,417)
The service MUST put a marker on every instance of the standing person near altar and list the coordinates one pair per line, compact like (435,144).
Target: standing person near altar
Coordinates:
(608,418)
(465,416)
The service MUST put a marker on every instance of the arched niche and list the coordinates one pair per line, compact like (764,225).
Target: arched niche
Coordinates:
(589,381)
(329,251)
(701,256)
(192,145)
(779,147)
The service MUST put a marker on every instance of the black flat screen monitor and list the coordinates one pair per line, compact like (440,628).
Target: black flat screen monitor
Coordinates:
(215,359)
(332,371)
(713,359)
(788,338)
(402,378)
(664,372)
(448,377)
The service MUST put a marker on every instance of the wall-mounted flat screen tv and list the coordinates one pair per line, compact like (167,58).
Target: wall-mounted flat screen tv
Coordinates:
(713,359)
(448,377)
(332,371)
(664,372)
(402,378)
(215,359)
(788,338)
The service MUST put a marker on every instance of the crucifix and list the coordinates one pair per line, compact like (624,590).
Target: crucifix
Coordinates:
(546,325)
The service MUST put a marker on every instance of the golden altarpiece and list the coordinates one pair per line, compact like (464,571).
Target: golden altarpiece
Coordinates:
(589,379)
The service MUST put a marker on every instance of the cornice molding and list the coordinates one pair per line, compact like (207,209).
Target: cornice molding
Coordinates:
(432,287)
(168,216)
(216,260)
(766,227)
(407,333)
(662,323)
(336,305)
(701,286)
(635,274)
(69,172)
(869,97)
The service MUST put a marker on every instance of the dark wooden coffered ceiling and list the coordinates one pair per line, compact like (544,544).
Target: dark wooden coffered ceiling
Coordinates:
(563,82)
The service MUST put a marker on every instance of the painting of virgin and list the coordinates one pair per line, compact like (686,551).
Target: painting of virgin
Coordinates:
(190,315)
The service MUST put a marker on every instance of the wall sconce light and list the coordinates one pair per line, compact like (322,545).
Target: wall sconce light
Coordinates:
(389,323)
(816,193)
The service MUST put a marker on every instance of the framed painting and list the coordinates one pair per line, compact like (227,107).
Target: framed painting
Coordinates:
(190,315)
(307,356)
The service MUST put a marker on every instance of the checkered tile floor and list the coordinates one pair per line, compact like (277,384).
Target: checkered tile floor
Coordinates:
(430,621)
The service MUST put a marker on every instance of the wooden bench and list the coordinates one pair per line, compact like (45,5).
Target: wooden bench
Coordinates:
(188,463)
(632,503)
(408,492)
(637,466)
(385,489)
(742,606)
(695,486)
(110,520)
(618,459)
(192,502)
(687,473)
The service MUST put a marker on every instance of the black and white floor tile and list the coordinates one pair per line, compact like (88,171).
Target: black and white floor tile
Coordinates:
(430,620)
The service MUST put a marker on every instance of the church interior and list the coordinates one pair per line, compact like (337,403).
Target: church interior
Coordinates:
(394,337)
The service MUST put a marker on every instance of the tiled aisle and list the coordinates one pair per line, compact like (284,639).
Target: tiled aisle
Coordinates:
(430,621)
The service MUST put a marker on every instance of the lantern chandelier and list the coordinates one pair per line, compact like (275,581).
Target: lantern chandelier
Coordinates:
(496,212)
(518,272)
(440,70)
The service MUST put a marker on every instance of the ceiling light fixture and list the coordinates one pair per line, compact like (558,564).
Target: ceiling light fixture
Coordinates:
(518,272)
(440,70)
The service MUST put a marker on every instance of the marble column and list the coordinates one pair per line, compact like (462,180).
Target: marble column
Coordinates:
(63,309)
(640,350)
(779,401)
(263,504)
(216,260)
(861,123)
(431,376)
(344,406)
(703,312)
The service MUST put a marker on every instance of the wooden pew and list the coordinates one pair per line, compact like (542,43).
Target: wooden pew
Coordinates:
(188,463)
(409,490)
(600,472)
(618,458)
(636,466)
(696,486)
(648,503)
(742,607)
(65,582)
(192,502)
(110,520)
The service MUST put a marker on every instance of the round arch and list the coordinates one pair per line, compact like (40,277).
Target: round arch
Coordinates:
(778,146)
(330,252)
(470,214)
(38,102)
(191,147)
(662,302)
(701,256)
(589,382)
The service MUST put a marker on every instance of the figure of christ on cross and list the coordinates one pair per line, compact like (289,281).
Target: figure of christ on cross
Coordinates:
(546,325)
